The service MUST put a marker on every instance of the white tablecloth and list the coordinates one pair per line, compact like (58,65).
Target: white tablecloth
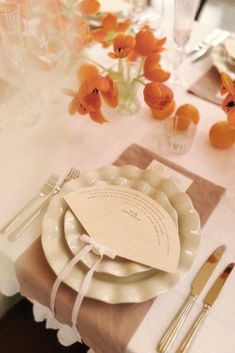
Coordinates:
(58,141)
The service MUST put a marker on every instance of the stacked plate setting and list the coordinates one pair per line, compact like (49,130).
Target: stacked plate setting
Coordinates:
(120,280)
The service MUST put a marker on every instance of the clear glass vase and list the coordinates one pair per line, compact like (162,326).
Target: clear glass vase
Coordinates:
(128,100)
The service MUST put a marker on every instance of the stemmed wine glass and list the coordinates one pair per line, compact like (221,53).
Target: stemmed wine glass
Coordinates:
(185,11)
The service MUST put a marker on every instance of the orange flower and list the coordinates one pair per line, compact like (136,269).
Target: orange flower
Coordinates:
(145,42)
(88,101)
(228,103)
(227,84)
(231,117)
(157,95)
(228,106)
(89,7)
(153,70)
(123,44)
(98,117)
(159,45)
(87,71)
(110,27)
(111,96)
(76,106)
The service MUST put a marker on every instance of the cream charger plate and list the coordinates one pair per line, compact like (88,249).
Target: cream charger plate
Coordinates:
(138,287)
(119,266)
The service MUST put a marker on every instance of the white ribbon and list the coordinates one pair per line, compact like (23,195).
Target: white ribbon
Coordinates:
(99,250)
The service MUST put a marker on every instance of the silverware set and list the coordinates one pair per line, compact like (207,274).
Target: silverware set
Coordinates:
(45,193)
(203,47)
(197,286)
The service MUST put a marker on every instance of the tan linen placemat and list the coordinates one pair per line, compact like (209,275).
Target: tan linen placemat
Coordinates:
(207,86)
(204,194)
(105,328)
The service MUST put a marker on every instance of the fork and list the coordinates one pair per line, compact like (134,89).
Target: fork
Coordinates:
(73,174)
(45,190)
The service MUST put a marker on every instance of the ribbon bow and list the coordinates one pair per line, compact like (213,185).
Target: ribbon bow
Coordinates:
(98,249)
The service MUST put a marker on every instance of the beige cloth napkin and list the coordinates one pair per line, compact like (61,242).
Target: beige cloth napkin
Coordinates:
(207,86)
(104,327)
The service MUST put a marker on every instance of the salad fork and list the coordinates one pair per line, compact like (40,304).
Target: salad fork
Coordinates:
(45,190)
(73,174)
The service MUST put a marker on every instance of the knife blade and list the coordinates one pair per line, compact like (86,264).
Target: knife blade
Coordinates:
(206,271)
(208,301)
(197,286)
(213,43)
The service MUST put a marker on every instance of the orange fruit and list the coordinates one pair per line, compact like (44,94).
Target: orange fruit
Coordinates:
(164,113)
(222,135)
(188,111)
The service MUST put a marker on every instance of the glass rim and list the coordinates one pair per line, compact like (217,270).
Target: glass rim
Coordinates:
(177,117)
(13,8)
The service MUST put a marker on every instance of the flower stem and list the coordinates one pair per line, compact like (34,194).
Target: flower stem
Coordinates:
(120,67)
(139,74)
(128,69)
(140,81)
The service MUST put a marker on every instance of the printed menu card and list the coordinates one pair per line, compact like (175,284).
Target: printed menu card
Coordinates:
(129,222)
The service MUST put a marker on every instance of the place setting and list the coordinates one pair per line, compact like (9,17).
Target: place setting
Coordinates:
(127,237)
(98,228)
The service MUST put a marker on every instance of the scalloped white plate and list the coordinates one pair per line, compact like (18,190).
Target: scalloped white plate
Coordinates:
(119,266)
(138,287)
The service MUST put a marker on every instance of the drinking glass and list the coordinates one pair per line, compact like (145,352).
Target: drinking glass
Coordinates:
(11,33)
(185,11)
(148,13)
(178,135)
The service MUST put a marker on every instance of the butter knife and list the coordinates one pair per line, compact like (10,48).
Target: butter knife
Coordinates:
(197,286)
(213,43)
(201,45)
(207,304)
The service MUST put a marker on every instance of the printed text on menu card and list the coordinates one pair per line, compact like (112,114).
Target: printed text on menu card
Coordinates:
(128,221)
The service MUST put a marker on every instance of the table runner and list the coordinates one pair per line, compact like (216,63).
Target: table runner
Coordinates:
(104,327)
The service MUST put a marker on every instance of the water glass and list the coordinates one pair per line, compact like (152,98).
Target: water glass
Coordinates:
(179,134)
(11,34)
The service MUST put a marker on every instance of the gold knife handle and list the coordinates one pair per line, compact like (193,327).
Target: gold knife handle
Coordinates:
(176,324)
(186,343)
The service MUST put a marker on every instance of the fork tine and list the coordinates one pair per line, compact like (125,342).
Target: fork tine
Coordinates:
(52,179)
(56,177)
(75,173)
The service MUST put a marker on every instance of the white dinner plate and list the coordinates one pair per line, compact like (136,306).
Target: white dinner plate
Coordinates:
(223,58)
(137,287)
(119,266)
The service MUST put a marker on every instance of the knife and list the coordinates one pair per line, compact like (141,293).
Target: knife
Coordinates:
(207,304)
(197,47)
(213,43)
(197,286)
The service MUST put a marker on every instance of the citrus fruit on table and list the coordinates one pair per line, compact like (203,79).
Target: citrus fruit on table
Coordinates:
(222,135)
(188,111)
(164,113)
